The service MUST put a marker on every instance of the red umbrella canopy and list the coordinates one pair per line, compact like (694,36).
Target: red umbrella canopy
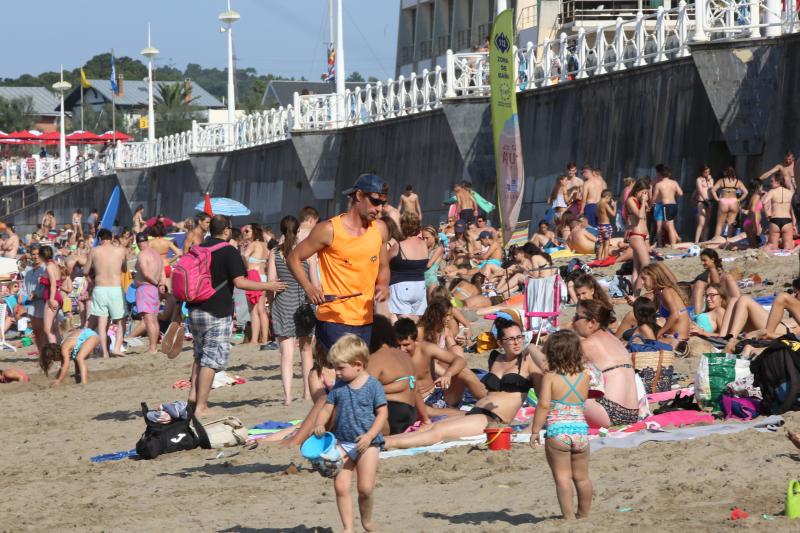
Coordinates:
(26,135)
(81,136)
(3,135)
(51,137)
(119,136)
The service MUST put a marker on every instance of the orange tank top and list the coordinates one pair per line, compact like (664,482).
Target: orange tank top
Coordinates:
(350,264)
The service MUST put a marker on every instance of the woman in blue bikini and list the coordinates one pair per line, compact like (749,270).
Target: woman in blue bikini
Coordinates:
(76,346)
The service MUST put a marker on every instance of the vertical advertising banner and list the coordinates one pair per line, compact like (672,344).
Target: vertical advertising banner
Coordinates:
(505,122)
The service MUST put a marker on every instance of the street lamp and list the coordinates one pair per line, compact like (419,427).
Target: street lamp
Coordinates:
(150,52)
(61,87)
(339,59)
(228,17)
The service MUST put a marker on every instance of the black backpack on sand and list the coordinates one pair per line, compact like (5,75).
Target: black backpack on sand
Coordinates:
(776,371)
(173,437)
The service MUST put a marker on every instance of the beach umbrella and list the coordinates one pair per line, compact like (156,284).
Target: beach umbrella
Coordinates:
(51,137)
(26,135)
(118,135)
(152,221)
(207,206)
(225,206)
(83,137)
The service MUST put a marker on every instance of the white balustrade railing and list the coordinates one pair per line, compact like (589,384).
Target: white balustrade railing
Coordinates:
(643,40)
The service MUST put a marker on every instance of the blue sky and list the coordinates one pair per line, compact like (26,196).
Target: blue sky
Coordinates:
(283,37)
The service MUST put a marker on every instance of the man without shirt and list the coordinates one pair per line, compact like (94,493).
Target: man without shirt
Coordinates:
(579,240)
(148,280)
(409,201)
(10,246)
(466,203)
(665,195)
(108,301)
(198,233)
(592,189)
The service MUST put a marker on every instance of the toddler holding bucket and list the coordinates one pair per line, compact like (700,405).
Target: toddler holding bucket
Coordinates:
(566,438)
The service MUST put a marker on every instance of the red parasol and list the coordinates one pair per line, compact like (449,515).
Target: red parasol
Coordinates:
(83,137)
(207,207)
(51,137)
(26,135)
(111,135)
(167,221)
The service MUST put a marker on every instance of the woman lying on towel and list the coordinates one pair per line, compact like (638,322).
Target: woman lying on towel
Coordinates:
(510,377)
(748,315)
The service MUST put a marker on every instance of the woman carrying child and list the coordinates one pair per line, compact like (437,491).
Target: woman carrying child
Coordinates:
(563,394)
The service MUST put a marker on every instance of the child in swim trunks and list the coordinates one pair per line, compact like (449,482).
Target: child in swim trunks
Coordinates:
(76,346)
(564,390)
(361,412)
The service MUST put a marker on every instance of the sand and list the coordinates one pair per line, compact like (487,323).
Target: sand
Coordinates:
(49,483)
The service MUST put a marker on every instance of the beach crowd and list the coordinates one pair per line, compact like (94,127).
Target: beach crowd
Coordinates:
(382,308)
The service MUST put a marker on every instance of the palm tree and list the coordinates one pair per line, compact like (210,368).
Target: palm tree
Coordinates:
(173,108)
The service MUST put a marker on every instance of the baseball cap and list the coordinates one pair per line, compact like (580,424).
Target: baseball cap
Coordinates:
(460,226)
(369,183)
(485,235)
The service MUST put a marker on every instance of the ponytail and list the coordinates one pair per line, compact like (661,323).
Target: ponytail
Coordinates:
(289,225)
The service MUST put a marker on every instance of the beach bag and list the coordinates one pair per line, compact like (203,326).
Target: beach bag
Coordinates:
(178,435)
(740,408)
(653,361)
(228,431)
(191,276)
(776,371)
(714,373)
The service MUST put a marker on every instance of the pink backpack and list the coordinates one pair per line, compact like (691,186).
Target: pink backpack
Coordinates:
(191,277)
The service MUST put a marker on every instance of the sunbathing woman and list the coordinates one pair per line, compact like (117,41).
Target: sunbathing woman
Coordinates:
(712,320)
(619,405)
(9,375)
(508,383)
(749,316)
(713,273)
(78,344)
(780,214)
(672,304)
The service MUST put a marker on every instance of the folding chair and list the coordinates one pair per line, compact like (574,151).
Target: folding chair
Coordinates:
(542,303)
(3,311)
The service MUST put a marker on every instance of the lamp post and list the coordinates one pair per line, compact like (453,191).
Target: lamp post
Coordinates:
(502,5)
(61,87)
(150,52)
(340,74)
(228,17)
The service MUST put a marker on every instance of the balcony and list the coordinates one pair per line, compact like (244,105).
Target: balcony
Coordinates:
(463,38)
(424,50)
(442,44)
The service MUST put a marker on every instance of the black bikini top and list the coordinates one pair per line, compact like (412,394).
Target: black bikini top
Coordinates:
(513,382)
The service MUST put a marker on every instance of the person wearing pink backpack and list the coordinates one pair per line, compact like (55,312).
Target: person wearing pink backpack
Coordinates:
(210,304)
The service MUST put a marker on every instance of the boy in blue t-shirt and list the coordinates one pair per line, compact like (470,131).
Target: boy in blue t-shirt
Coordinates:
(361,412)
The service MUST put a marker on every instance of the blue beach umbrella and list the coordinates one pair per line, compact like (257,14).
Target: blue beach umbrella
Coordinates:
(225,206)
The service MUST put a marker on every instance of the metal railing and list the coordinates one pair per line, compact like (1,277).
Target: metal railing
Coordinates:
(659,36)
(29,194)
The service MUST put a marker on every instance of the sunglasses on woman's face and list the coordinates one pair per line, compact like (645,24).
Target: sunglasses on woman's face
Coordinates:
(518,338)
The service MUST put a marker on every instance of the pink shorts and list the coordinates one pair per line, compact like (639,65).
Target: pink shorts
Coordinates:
(147,300)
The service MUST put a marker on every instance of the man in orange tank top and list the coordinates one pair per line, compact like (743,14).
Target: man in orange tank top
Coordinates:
(353,263)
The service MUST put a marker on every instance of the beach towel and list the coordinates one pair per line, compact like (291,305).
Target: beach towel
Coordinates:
(541,298)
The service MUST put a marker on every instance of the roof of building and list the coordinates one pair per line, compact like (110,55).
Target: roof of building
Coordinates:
(44,101)
(134,94)
(282,91)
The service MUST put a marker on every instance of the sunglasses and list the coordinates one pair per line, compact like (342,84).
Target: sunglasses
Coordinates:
(711,294)
(377,202)
(518,338)
(579,317)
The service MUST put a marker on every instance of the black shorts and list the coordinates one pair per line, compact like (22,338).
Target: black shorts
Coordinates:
(670,211)
(401,416)
(467,215)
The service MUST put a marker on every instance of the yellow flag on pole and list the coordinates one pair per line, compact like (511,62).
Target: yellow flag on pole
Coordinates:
(84,82)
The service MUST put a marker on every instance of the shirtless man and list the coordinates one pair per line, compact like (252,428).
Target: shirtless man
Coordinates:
(579,240)
(452,376)
(149,269)
(573,180)
(108,302)
(466,203)
(48,223)
(198,233)
(409,201)
(481,225)
(10,246)
(786,169)
(665,195)
(593,187)
(544,237)
(308,219)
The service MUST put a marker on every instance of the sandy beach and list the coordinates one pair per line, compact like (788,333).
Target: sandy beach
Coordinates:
(50,483)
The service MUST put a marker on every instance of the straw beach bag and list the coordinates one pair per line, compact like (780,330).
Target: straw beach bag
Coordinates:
(653,360)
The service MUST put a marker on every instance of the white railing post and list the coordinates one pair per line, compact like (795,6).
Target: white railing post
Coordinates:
(515,54)
(581,54)
(414,93)
(437,86)
(700,10)
(402,95)
(297,105)
(619,45)
(195,136)
(730,17)
(683,49)
(450,65)
(755,18)
(562,55)
(660,34)
(379,100)
(547,63)
(530,63)
(426,90)
(773,18)
(640,61)
(600,51)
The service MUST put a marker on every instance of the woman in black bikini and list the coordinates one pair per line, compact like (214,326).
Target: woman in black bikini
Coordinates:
(728,191)
(781,218)
(509,379)
(619,405)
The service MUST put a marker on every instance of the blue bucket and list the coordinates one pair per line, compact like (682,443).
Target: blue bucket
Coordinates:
(314,447)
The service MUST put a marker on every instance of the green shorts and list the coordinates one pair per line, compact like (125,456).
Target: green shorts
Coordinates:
(108,301)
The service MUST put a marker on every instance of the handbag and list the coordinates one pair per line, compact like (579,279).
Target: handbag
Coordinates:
(181,434)
(224,432)
(653,361)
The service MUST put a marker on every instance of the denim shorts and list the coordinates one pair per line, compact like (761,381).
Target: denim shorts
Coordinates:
(211,338)
(329,332)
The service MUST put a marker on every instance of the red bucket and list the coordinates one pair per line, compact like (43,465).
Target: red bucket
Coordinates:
(498,438)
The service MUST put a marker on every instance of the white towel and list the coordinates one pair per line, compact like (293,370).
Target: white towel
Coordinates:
(540,297)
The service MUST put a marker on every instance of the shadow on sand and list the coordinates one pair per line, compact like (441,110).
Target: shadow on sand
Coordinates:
(483,517)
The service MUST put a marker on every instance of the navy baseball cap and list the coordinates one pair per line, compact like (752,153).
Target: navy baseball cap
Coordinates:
(460,227)
(485,235)
(369,183)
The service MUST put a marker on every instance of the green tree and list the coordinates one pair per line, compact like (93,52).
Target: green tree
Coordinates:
(173,109)
(16,114)
(355,76)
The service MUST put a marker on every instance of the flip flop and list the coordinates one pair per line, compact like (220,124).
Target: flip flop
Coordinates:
(182,384)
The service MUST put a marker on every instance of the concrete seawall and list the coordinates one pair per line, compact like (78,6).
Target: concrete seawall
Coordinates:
(677,112)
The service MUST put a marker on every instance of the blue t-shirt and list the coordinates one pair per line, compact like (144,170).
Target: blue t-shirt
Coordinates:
(355,409)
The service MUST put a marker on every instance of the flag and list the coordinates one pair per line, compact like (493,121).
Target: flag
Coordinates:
(113,78)
(505,122)
(330,76)
(84,82)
